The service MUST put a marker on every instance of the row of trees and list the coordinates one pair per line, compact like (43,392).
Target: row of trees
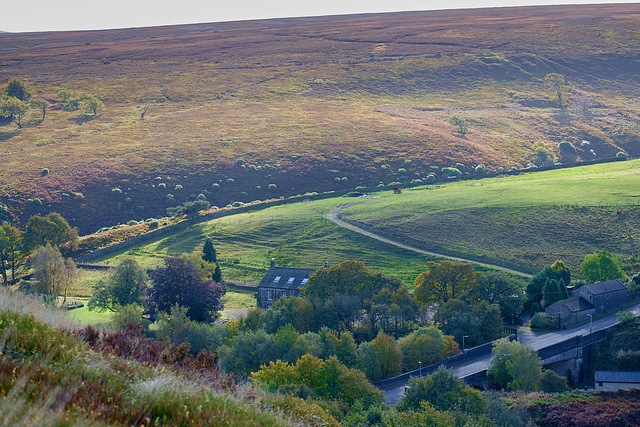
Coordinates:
(17,101)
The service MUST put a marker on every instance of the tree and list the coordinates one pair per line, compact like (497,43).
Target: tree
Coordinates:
(53,272)
(552,292)
(92,104)
(10,252)
(346,278)
(124,286)
(558,272)
(543,154)
(557,81)
(601,266)
(209,252)
(180,282)
(389,355)
(444,280)
(499,288)
(424,345)
(460,125)
(444,391)
(514,366)
(41,105)
(15,109)
(18,89)
(52,229)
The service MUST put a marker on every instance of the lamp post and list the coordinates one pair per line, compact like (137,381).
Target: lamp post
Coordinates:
(420,368)
(590,322)
(463,337)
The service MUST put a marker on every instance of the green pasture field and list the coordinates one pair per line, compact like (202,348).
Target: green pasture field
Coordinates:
(529,219)
(295,235)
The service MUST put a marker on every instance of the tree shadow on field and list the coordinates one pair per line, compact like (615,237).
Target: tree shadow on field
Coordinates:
(86,118)
(185,240)
(8,135)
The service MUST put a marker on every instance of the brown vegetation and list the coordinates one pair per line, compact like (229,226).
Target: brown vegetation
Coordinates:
(305,101)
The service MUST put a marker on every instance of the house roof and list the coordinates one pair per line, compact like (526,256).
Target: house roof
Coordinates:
(286,278)
(618,377)
(608,286)
(568,306)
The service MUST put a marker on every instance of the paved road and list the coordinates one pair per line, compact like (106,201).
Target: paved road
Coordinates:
(333,216)
(537,340)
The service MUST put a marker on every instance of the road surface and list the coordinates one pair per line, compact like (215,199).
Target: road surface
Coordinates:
(333,216)
(536,340)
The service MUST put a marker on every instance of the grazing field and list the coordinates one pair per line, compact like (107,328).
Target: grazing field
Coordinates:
(295,235)
(530,219)
(246,111)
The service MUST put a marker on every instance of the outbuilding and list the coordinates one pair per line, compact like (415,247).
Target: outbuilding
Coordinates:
(616,380)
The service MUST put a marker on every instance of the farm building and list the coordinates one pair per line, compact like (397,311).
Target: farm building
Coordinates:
(616,380)
(604,296)
(281,282)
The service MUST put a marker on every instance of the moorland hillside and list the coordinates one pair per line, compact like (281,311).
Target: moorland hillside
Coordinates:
(242,111)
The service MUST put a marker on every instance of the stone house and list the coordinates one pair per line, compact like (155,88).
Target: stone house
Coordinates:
(604,296)
(616,380)
(592,299)
(572,310)
(281,282)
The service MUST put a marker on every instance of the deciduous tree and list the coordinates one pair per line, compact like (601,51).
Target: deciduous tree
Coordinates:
(52,229)
(558,82)
(180,282)
(601,266)
(346,278)
(443,281)
(502,289)
(124,286)
(15,109)
(514,366)
(18,89)
(53,272)
(40,104)
(92,104)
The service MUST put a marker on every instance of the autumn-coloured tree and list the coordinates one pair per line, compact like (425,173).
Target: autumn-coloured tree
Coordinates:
(443,281)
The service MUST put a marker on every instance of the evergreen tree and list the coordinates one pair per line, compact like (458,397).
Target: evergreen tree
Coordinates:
(209,252)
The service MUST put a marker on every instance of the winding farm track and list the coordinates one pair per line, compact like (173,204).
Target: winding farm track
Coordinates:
(333,216)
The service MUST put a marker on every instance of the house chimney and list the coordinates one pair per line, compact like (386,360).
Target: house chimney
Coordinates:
(273,263)
(325,265)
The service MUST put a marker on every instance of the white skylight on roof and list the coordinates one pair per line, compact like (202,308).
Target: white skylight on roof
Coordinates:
(277,279)
(291,279)
(304,281)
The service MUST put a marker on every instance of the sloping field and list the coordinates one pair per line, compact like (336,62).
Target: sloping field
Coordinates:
(309,104)
(529,220)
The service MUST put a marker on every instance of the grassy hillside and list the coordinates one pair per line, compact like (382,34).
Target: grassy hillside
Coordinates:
(295,235)
(309,104)
(530,219)
(52,373)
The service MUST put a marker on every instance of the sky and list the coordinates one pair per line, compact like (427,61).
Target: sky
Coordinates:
(63,15)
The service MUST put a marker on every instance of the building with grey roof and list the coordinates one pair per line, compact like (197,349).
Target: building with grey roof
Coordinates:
(281,282)
(616,380)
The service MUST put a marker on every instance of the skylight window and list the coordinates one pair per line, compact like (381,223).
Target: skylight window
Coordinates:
(290,281)
(277,279)
(304,281)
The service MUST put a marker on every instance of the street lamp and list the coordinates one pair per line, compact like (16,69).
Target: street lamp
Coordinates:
(590,321)
(420,368)
(463,337)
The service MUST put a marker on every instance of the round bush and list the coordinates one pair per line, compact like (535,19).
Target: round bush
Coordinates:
(178,187)
(44,172)
(567,147)
(621,155)
(231,180)
(402,170)
(481,170)
(116,191)
(540,320)
(153,224)
(274,187)
(215,185)
(132,222)
(451,172)
(162,185)
(201,197)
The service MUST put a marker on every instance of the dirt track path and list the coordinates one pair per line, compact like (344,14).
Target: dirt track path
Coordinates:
(333,216)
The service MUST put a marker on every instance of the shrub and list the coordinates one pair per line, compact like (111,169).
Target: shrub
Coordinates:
(586,145)
(71,104)
(127,200)
(567,147)
(153,224)
(162,185)
(178,187)
(550,382)
(402,170)
(244,194)
(237,204)
(431,178)
(460,166)
(116,191)
(44,172)
(621,155)
(541,321)
(258,187)
(274,187)
(215,185)
(201,197)
(481,170)
(36,201)
(170,200)
(451,172)
(231,180)
(240,162)
(132,222)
